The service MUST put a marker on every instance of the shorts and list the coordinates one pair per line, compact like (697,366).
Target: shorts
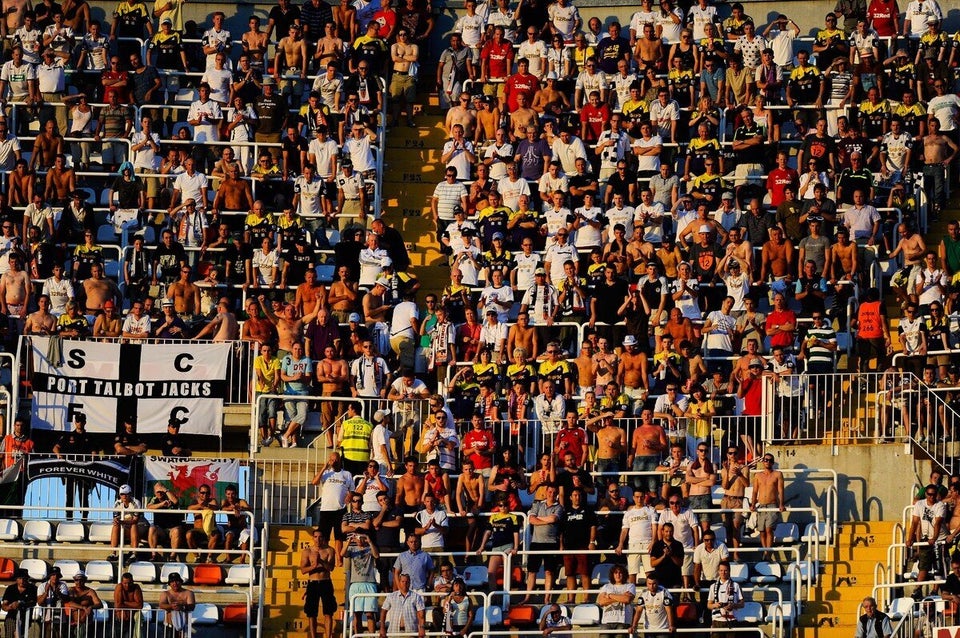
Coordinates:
(319,591)
(687,568)
(928,558)
(332,520)
(575,563)
(638,563)
(495,89)
(767,520)
(733,503)
(403,86)
(296,411)
(502,549)
(364,604)
(745,173)
(550,562)
(701,502)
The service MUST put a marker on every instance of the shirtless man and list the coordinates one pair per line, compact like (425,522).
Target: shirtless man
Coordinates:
(470,496)
(611,443)
(177,602)
(742,366)
(632,375)
(21,182)
(185,294)
(109,323)
(522,118)
(737,248)
(333,375)
(316,563)
(290,60)
(649,49)
(844,259)
(329,47)
(463,115)
(61,181)
(523,335)
(953,507)
(939,152)
(311,296)
(776,257)
(767,494)
(548,96)
(605,364)
(233,193)
(488,121)
(585,368)
(256,328)
(254,43)
(410,489)
(912,247)
(647,445)
(403,53)
(15,292)
(375,310)
(734,478)
(46,147)
(41,322)
(289,327)
(343,295)
(224,327)
(81,600)
(97,290)
(14,11)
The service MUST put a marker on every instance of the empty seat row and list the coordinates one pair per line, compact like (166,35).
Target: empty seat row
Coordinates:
(589,614)
(144,572)
(204,614)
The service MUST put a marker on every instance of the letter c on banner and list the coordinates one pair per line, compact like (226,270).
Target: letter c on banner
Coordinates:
(176,412)
(75,358)
(180,366)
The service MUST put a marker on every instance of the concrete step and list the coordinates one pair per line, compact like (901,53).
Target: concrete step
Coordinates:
(428,134)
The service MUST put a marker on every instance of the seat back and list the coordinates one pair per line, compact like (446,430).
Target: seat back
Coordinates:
(175,568)
(205,614)
(37,531)
(601,574)
(239,575)
(475,576)
(100,571)
(751,613)
(68,569)
(207,575)
(9,529)
(235,614)
(522,616)
(36,568)
(71,532)
(143,571)
(765,572)
(7,568)
(100,532)
(586,615)
(786,534)
(739,572)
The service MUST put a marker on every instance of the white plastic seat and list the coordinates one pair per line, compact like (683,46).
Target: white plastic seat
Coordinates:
(720,532)
(9,529)
(797,571)
(175,568)
(601,574)
(900,607)
(37,531)
(787,609)
(242,575)
(71,532)
(815,531)
(68,568)
(143,571)
(716,495)
(100,532)
(100,571)
(765,572)
(475,576)
(739,572)
(205,614)
(786,534)
(36,568)
(912,572)
(751,613)
(587,615)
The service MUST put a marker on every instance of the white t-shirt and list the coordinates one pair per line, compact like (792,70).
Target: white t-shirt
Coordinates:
(60,292)
(309,195)
(432,538)
(334,490)
(403,314)
(205,131)
(944,108)
(323,152)
(710,561)
(927,514)
(639,521)
(190,187)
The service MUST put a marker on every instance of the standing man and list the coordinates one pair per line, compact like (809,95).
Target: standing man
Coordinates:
(403,85)
(767,494)
(655,605)
(177,602)
(926,526)
(316,563)
(403,610)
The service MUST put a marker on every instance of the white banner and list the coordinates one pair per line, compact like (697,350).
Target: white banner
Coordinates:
(106,381)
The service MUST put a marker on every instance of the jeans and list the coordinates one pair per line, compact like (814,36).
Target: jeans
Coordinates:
(646,464)
(934,183)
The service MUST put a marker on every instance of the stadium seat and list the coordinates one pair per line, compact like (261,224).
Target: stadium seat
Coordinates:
(71,532)
(100,532)
(102,613)
(494,616)
(716,495)
(900,607)
(68,568)
(106,234)
(786,534)
(720,532)
(688,614)
(100,571)
(765,572)
(913,570)
(798,571)
(739,572)
(786,608)
(143,571)
(205,614)
(587,615)
(240,575)
(816,531)
(478,613)
(751,613)
(475,576)
(89,195)
(37,531)
(521,616)
(7,568)
(9,529)
(601,574)
(207,575)
(35,567)
(180,568)
(235,614)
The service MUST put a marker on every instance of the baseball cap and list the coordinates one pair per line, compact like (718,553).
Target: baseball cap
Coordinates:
(380,415)
(126,489)
(81,575)
(166,21)
(704,228)
(458,209)
(108,304)
(727,195)
(629,340)
(932,19)
(269,80)
(497,236)
(755,363)
(354,317)
(539,271)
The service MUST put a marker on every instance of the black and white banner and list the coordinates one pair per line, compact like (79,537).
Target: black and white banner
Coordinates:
(106,381)
(112,472)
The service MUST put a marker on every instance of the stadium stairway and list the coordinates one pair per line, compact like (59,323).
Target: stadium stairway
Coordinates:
(846,578)
(412,169)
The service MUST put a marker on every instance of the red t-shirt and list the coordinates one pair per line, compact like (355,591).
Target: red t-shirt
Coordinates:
(753,398)
(777,179)
(778,318)
(881,15)
(499,58)
(595,117)
(478,440)
(516,84)
(387,19)
(573,441)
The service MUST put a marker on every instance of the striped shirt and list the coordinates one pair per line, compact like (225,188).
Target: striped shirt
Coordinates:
(448,195)
(818,353)
(402,611)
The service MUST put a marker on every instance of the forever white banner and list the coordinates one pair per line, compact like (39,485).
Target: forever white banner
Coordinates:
(107,381)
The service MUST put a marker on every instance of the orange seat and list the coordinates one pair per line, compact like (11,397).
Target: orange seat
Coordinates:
(7,567)
(688,614)
(521,616)
(235,614)
(207,575)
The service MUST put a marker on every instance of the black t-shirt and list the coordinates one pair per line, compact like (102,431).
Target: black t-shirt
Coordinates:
(27,599)
(609,299)
(168,260)
(704,260)
(238,256)
(166,521)
(565,481)
(282,20)
(299,265)
(576,527)
(75,442)
(171,441)
(668,573)
(128,440)
(128,192)
(388,538)
(819,148)
(293,148)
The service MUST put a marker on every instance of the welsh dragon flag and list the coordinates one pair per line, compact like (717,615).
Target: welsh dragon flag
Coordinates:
(183,477)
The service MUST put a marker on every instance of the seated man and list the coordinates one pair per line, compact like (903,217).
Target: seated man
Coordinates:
(204,525)
(168,529)
(126,519)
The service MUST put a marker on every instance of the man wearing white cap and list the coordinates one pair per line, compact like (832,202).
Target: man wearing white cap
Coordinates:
(380,450)
(127,519)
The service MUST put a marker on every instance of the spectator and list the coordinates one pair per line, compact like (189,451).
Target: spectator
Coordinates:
(336,485)
(126,520)
(579,534)
(682,522)
(880,627)
(167,528)
(127,603)
(708,558)
(81,601)
(128,442)
(75,445)
(178,603)
(734,478)
(19,599)
(655,605)
(723,599)
(431,525)
(403,609)
(546,517)
(362,577)
(767,494)
(927,526)
(415,566)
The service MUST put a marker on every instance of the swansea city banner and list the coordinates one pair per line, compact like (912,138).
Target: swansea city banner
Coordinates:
(183,476)
(106,381)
